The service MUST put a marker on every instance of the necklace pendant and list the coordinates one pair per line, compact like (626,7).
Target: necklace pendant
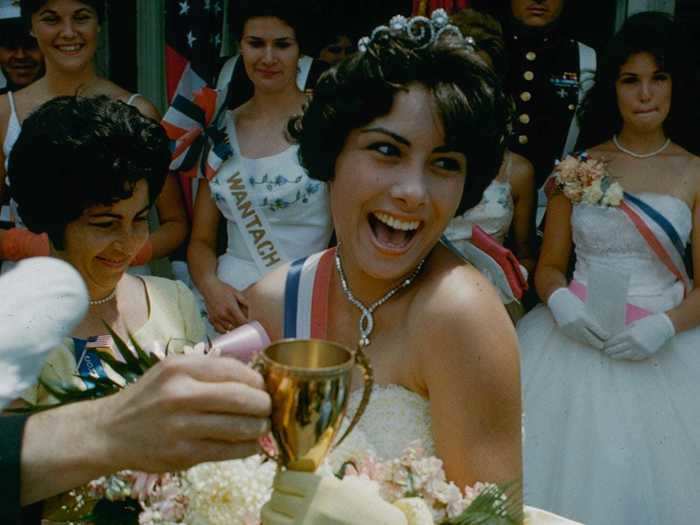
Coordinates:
(366,322)
(364,342)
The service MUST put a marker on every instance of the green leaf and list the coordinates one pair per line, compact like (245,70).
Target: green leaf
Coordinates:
(489,507)
(131,359)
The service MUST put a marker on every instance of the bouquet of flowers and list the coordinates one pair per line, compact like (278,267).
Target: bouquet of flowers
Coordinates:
(585,180)
(233,492)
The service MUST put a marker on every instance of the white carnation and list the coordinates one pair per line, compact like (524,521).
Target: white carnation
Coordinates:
(593,193)
(614,195)
(229,492)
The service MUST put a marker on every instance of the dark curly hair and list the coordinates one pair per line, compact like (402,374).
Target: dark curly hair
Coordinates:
(77,152)
(467,94)
(29,7)
(659,35)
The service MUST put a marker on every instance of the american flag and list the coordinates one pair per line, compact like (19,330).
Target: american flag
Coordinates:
(194,35)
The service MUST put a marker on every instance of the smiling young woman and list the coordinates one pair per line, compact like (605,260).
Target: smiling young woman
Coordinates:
(66,32)
(397,134)
(286,210)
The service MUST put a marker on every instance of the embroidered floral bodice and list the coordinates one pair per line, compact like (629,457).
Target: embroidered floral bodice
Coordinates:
(295,206)
(395,417)
(606,236)
(493,214)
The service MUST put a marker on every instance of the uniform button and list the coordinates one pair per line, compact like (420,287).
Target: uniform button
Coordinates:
(571,107)
(528,75)
(531,55)
(525,96)
(524,118)
(522,139)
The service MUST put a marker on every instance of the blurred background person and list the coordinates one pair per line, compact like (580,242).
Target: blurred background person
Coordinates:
(21,60)
(337,43)
(506,211)
(66,32)
(548,75)
(21,63)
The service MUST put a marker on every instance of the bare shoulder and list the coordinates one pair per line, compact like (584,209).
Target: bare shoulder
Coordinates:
(602,151)
(523,172)
(460,308)
(465,339)
(266,301)
(692,174)
(145,107)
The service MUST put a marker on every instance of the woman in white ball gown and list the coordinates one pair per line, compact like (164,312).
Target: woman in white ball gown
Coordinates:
(611,364)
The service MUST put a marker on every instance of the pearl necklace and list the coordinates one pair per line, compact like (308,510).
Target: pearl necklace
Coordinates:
(640,155)
(367,319)
(104,300)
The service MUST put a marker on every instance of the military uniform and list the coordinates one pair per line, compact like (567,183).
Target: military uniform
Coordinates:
(547,76)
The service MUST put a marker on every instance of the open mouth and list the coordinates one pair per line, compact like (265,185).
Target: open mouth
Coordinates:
(393,233)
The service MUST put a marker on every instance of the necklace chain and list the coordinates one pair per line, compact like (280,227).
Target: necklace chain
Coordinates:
(640,155)
(367,319)
(104,300)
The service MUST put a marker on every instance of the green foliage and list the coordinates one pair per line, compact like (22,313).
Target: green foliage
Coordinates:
(105,512)
(496,505)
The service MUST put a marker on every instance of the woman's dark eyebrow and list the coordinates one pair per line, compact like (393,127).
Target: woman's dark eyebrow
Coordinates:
(397,138)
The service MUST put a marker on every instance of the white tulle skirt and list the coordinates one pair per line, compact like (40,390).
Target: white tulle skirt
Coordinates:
(610,442)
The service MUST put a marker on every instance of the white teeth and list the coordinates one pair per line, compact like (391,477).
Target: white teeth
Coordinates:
(69,48)
(396,223)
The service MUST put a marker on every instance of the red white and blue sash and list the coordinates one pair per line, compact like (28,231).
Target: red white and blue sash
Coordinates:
(658,232)
(306,296)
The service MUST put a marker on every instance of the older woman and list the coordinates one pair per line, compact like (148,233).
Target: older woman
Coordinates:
(408,134)
(610,365)
(98,225)
(67,33)
(274,212)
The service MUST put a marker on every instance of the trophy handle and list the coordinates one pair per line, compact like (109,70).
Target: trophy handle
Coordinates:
(256,363)
(368,376)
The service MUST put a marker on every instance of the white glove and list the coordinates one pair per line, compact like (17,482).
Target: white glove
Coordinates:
(641,339)
(41,301)
(303,498)
(570,314)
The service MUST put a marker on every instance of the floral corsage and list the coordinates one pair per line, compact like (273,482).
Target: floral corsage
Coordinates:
(584,180)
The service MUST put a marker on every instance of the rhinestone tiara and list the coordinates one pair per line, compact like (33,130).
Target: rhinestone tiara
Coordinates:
(420,30)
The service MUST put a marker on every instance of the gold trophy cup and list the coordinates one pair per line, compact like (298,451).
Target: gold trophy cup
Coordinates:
(309,382)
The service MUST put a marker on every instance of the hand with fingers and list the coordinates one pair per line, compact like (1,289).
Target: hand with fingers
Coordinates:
(184,411)
(570,315)
(308,499)
(641,339)
(226,306)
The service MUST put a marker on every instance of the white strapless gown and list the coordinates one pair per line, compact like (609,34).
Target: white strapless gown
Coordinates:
(394,419)
(606,441)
